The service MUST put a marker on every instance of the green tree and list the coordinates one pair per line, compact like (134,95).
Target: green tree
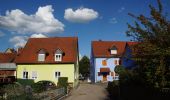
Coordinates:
(84,66)
(153,51)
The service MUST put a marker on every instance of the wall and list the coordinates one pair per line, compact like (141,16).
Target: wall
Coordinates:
(127,61)
(47,71)
(98,65)
(92,68)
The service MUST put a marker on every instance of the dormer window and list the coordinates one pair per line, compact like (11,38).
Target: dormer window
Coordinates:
(41,55)
(58,55)
(113,50)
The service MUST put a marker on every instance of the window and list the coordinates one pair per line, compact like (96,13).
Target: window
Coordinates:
(112,74)
(57,74)
(58,57)
(115,61)
(34,75)
(116,76)
(25,75)
(99,74)
(41,57)
(113,50)
(104,62)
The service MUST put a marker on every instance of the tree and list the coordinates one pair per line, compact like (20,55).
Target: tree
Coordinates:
(84,66)
(153,51)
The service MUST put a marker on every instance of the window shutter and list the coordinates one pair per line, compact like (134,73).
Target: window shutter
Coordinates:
(104,62)
(34,74)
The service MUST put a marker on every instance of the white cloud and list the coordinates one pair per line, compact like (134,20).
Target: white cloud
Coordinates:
(121,9)
(81,15)
(42,21)
(19,41)
(38,36)
(113,20)
(1,34)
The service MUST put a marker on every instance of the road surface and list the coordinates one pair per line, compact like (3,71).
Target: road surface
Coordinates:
(89,92)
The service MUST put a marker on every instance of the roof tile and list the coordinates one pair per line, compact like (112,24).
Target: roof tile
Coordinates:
(69,45)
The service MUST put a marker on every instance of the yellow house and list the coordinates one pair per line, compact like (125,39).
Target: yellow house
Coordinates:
(49,59)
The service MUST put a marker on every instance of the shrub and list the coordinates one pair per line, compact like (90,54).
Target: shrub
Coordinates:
(25,82)
(13,90)
(16,91)
(113,89)
(43,86)
(38,87)
(63,82)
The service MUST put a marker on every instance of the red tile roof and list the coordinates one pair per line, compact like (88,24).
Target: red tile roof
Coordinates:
(7,57)
(132,43)
(102,48)
(69,45)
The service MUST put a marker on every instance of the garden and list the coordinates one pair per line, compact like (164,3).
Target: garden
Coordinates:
(26,89)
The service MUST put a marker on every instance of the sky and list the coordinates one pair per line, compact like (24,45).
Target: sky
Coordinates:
(89,20)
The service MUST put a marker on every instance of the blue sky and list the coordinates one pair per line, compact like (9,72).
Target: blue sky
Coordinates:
(87,19)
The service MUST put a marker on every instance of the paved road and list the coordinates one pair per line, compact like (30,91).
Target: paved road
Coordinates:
(89,92)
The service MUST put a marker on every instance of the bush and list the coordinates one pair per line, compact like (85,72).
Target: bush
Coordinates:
(63,82)
(38,87)
(43,86)
(25,82)
(13,89)
(16,91)
(113,89)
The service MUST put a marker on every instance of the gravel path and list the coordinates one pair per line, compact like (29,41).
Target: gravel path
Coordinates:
(89,92)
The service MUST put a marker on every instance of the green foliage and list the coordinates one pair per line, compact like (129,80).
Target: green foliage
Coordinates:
(25,81)
(16,92)
(13,89)
(84,66)
(153,51)
(113,89)
(63,82)
(42,86)
(38,87)
(119,69)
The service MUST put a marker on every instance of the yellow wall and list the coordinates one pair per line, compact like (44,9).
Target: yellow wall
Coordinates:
(47,71)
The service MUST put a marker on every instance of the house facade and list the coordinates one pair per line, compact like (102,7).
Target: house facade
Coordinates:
(105,56)
(7,67)
(48,59)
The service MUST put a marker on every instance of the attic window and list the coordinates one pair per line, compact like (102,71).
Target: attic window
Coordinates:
(58,55)
(113,50)
(41,55)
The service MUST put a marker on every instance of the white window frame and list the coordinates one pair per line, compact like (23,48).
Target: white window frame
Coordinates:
(41,55)
(34,77)
(59,58)
(24,75)
(113,51)
(57,75)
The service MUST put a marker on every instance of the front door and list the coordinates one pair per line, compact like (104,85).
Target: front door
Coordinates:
(104,77)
